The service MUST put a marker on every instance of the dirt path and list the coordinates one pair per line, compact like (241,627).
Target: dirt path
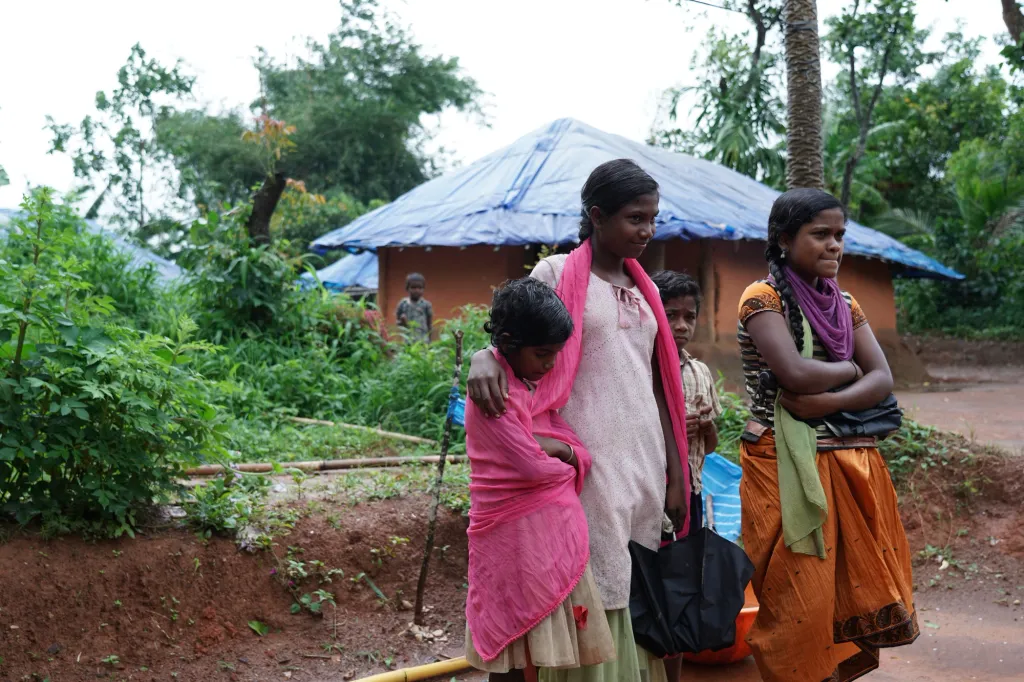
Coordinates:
(964,637)
(984,404)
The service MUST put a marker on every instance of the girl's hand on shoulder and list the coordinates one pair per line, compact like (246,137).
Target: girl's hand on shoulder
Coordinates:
(811,406)
(487,384)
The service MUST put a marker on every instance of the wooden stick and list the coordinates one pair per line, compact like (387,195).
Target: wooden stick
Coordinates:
(432,518)
(319,465)
(369,429)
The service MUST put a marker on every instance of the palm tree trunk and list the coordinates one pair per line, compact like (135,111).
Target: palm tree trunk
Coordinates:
(1013,16)
(804,165)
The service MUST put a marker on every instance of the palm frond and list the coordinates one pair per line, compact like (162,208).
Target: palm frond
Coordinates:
(903,222)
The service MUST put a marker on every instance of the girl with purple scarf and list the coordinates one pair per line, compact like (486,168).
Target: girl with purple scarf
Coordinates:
(809,352)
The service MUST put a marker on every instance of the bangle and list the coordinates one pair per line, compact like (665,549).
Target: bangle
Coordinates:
(856,370)
(572,456)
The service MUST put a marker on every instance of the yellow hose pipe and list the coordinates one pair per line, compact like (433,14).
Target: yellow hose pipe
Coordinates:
(421,672)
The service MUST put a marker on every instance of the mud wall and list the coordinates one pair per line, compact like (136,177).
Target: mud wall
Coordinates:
(461,276)
(455,277)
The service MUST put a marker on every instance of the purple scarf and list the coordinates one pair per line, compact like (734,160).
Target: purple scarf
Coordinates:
(828,314)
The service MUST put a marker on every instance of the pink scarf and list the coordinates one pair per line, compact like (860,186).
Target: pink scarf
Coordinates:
(528,538)
(528,541)
(554,391)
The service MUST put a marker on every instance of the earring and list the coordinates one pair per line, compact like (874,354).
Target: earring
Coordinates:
(784,254)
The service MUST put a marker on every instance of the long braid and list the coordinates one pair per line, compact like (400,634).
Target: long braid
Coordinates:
(773,254)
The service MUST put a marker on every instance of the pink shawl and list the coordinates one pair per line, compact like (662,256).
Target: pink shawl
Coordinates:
(528,542)
(554,391)
(528,538)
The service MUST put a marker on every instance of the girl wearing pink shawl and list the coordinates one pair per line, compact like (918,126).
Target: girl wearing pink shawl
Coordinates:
(617,384)
(530,590)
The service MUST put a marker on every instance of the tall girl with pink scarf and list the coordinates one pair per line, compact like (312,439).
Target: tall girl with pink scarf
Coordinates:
(617,385)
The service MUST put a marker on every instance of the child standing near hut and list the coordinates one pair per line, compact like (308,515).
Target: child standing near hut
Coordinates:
(414,312)
(681,296)
(532,600)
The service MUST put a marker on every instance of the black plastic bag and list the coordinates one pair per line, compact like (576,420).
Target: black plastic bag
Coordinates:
(685,597)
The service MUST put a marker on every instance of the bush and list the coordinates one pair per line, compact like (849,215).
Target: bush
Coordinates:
(98,418)
(238,287)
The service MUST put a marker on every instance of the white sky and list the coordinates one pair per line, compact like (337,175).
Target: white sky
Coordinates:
(602,61)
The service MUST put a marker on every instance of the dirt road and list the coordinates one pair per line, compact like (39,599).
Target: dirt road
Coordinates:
(960,641)
(965,637)
(985,404)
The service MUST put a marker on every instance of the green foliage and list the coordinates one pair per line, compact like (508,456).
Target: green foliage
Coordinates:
(915,447)
(985,242)
(731,423)
(740,113)
(269,439)
(224,507)
(302,217)
(932,117)
(115,151)
(98,418)
(215,165)
(237,285)
(409,394)
(358,103)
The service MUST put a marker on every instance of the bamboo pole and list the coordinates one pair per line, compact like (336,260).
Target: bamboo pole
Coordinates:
(421,672)
(432,518)
(368,429)
(320,465)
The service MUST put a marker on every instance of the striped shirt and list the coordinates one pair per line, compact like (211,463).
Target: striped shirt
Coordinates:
(759,297)
(699,390)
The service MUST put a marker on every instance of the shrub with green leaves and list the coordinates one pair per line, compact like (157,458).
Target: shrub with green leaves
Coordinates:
(97,418)
(238,286)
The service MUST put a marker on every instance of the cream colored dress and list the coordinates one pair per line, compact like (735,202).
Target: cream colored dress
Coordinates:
(613,410)
(558,641)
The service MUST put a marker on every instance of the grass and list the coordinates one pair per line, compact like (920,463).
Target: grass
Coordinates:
(283,441)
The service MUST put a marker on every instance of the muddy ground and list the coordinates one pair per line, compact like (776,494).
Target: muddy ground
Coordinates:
(169,605)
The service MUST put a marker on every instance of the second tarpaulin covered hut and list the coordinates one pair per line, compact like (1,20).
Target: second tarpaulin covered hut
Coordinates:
(355,275)
(472,228)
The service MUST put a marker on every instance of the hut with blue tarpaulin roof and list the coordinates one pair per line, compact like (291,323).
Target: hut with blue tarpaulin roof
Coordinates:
(166,270)
(355,274)
(472,228)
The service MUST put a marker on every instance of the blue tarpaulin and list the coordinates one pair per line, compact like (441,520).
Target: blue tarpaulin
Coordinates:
(166,270)
(529,193)
(359,270)
(721,480)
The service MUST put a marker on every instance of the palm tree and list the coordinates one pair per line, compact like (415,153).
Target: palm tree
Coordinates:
(804,167)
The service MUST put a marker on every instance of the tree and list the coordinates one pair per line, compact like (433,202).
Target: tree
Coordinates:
(215,165)
(922,123)
(839,144)
(115,151)
(872,45)
(357,104)
(740,113)
(1013,17)
(804,165)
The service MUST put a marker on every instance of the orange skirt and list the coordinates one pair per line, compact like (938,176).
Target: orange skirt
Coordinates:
(826,619)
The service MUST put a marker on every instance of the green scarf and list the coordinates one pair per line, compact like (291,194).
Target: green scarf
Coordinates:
(802,497)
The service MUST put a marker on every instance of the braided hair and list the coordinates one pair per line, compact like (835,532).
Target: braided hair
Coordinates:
(791,211)
(611,186)
(527,312)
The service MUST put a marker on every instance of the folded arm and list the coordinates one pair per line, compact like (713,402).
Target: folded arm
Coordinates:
(795,373)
